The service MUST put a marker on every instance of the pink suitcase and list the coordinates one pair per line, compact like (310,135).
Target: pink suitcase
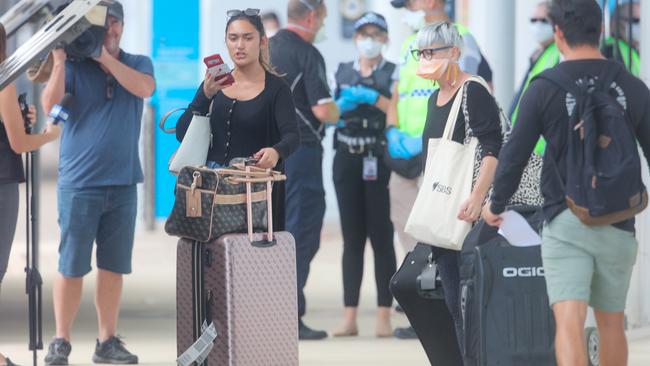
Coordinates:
(247,289)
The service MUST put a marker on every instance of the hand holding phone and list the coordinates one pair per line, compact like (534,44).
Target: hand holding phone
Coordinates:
(219,69)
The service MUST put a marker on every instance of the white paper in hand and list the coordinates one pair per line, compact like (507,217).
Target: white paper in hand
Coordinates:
(517,230)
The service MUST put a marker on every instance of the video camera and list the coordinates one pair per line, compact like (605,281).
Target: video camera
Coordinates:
(89,43)
(63,29)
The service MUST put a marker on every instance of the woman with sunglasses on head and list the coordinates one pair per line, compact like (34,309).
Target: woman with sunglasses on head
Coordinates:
(14,140)
(253,116)
(439,49)
(363,91)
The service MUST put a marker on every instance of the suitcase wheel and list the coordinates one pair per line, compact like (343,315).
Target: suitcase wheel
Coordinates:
(591,339)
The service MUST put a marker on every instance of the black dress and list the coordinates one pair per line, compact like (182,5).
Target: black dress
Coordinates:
(242,128)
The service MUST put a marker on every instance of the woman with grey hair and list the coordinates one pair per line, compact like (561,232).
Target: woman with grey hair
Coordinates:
(439,49)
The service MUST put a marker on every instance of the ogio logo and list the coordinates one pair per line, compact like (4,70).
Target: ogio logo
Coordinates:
(510,272)
(437,187)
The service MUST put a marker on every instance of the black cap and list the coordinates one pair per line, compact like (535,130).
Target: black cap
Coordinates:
(115,9)
(398,3)
(371,18)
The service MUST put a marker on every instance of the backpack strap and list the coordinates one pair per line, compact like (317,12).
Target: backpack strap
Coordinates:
(560,78)
(608,75)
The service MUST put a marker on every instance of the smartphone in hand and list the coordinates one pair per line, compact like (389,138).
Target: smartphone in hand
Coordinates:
(218,69)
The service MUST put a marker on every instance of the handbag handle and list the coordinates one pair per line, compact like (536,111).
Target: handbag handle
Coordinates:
(164,119)
(275,178)
(247,174)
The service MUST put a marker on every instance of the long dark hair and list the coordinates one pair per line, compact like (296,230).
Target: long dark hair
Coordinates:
(3,43)
(265,57)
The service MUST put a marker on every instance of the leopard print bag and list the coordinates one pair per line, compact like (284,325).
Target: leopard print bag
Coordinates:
(528,193)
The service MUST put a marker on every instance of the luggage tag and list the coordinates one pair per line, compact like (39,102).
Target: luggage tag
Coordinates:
(370,168)
(200,350)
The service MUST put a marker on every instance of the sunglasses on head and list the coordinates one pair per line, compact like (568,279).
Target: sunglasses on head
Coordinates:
(539,20)
(248,12)
(311,6)
(428,53)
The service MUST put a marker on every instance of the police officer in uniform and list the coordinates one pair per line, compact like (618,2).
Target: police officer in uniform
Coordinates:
(363,92)
(545,56)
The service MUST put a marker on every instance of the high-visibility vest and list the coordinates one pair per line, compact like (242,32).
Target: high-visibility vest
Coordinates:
(414,91)
(549,58)
(624,51)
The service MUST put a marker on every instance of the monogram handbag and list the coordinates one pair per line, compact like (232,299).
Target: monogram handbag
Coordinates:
(213,202)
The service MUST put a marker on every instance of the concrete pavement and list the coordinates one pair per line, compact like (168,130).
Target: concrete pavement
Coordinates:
(148,312)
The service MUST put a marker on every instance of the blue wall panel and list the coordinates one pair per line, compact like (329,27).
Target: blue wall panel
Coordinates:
(176,59)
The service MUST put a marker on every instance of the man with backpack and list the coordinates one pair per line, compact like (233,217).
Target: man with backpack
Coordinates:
(591,112)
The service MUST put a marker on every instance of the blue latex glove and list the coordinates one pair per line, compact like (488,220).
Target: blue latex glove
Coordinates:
(361,94)
(413,145)
(394,138)
(346,104)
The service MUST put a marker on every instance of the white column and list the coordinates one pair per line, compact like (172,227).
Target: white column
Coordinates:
(138,21)
(494,29)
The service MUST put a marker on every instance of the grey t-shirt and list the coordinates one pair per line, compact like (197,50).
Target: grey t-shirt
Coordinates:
(99,143)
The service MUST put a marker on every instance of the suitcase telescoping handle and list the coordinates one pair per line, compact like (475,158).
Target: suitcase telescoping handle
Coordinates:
(248,181)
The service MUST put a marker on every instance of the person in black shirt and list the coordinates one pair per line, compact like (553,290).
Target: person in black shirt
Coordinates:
(363,90)
(13,142)
(303,67)
(439,48)
(255,115)
(584,265)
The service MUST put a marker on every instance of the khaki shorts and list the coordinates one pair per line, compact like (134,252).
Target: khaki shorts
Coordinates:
(591,264)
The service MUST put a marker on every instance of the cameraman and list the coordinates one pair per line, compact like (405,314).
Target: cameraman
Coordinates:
(13,141)
(98,172)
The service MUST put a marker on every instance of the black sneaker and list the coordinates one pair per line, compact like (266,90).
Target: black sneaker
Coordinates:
(405,333)
(112,351)
(307,334)
(58,352)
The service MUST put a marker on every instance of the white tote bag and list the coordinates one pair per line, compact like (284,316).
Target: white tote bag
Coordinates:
(446,185)
(195,145)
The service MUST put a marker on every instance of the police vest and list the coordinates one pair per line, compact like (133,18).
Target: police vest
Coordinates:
(549,58)
(414,91)
(366,117)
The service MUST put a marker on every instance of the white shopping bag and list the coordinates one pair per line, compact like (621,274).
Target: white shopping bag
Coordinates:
(447,184)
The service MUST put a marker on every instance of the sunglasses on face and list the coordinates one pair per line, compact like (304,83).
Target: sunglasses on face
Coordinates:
(539,20)
(248,12)
(110,86)
(428,53)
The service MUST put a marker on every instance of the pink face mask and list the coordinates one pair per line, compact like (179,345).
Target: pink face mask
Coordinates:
(432,69)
